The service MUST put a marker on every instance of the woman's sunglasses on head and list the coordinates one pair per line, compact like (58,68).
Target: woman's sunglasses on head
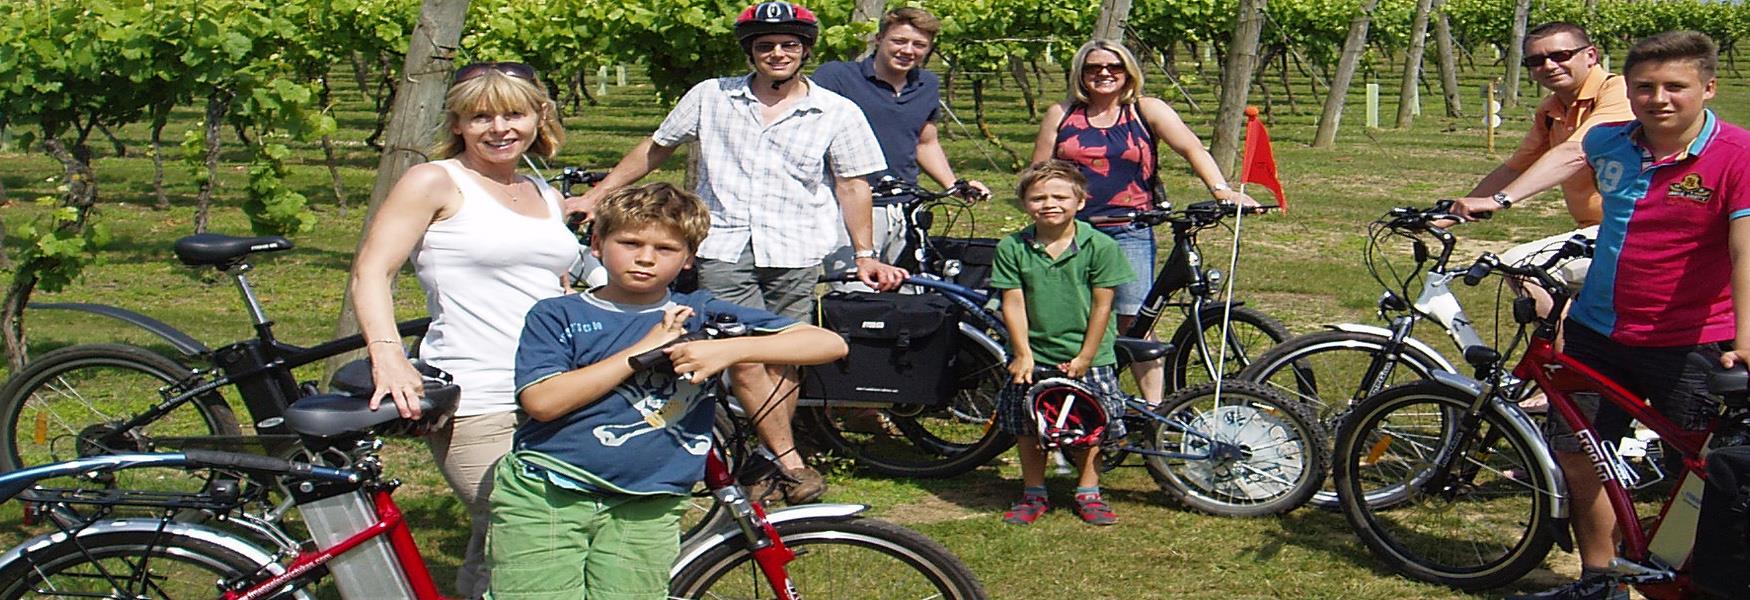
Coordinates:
(513,69)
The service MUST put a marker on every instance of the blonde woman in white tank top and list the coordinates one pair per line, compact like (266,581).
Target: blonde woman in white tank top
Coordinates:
(486,244)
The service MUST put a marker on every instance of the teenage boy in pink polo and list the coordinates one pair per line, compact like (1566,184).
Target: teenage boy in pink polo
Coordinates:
(1674,190)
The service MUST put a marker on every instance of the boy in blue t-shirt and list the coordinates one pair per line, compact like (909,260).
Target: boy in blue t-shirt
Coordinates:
(588,503)
(1058,279)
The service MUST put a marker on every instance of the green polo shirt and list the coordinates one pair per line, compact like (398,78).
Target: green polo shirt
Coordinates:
(1060,291)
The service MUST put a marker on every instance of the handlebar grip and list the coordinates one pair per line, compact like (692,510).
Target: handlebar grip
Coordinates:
(1110,220)
(266,464)
(1477,271)
(656,358)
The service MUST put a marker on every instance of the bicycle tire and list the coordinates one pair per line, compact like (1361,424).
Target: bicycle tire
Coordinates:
(79,390)
(1251,333)
(125,564)
(1326,370)
(1487,530)
(1284,452)
(893,563)
(946,440)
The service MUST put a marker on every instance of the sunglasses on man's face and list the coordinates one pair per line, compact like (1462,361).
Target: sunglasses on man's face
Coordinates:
(1533,61)
(513,69)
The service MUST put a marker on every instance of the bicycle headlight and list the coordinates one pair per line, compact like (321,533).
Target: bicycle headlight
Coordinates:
(1213,275)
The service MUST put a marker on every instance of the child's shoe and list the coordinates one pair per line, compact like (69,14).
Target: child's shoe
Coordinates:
(1027,510)
(1094,511)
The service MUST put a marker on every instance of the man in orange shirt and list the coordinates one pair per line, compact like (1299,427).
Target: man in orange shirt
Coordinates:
(1563,60)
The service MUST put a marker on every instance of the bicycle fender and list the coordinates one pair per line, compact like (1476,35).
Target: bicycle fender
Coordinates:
(1553,486)
(728,531)
(261,558)
(184,343)
(983,341)
(1375,330)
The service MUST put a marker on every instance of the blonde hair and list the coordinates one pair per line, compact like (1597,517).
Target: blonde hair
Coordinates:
(498,93)
(654,204)
(1047,170)
(1078,87)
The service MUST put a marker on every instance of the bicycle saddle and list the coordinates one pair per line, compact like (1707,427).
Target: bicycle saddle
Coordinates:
(330,415)
(354,378)
(1733,385)
(1135,350)
(213,249)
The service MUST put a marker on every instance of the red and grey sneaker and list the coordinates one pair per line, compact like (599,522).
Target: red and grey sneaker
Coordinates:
(1027,510)
(1094,511)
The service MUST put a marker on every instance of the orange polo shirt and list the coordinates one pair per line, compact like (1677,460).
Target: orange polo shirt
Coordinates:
(1603,98)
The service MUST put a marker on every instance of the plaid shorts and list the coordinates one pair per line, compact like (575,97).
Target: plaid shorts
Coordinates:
(1012,417)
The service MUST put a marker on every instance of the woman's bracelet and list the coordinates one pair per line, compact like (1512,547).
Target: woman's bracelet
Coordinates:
(395,342)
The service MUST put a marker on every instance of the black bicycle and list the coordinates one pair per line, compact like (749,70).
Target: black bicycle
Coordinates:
(96,399)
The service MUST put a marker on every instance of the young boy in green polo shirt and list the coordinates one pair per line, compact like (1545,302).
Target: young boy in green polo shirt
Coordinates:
(1058,278)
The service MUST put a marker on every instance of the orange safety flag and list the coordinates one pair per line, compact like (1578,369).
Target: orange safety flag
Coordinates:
(1258,163)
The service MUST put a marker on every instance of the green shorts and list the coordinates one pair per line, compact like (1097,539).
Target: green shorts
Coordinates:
(551,542)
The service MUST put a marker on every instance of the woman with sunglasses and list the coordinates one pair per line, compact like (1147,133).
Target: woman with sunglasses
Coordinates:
(1109,128)
(486,244)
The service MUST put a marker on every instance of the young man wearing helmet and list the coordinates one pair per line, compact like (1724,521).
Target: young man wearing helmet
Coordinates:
(902,101)
(780,161)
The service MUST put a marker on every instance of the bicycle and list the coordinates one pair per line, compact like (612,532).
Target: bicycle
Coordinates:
(91,399)
(1337,368)
(1482,498)
(359,536)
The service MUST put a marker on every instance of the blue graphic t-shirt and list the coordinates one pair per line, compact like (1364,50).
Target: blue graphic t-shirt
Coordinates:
(647,436)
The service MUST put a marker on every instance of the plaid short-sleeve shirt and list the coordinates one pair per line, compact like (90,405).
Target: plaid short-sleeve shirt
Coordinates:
(771,183)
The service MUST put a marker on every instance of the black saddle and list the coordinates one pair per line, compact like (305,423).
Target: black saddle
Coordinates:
(348,410)
(1731,385)
(213,249)
(1135,350)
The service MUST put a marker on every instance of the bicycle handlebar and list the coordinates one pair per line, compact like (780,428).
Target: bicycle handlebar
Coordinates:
(890,187)
(571,177)
(1419,219)
(720,326)
(1198,214)
(1574,247)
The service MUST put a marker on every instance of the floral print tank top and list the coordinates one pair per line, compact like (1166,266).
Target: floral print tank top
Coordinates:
(1119,161)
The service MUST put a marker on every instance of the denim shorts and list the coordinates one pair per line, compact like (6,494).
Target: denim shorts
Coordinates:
(1012,417)
(1139,250)
(1676,388)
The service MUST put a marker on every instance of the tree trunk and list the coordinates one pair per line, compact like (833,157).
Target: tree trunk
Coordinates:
(217,105)
(1516,52)
(1408,96)
(121,150)
(417,113)
(362,78)
(160,118)
(81,196)
(1110,25)
(328,158)
(1019,72)
(1448,60)
(1236,81)
(1332,114)
(984,125)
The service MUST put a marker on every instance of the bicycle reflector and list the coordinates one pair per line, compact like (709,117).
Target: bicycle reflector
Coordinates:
(1066,413)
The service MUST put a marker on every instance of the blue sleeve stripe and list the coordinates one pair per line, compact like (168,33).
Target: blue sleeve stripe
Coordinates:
(1738,214)
(519,391)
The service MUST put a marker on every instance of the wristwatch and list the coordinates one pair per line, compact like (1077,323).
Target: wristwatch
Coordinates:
(863,254)
(1502,199)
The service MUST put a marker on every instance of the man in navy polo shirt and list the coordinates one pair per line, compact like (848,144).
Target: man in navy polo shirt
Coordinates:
(901,99)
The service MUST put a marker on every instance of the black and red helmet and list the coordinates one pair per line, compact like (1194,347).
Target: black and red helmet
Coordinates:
(1066,412)
(776,17)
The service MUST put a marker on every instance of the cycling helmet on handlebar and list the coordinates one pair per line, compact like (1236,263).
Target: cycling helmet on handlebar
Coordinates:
(1066,412)
(776,17)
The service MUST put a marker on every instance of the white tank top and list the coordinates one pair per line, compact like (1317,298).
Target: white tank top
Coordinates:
(482,269)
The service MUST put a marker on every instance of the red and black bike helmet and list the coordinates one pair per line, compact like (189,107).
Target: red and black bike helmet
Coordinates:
(776,17)
(1066,413)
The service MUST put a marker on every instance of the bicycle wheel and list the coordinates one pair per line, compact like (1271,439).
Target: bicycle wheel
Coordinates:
(836,559)
(1486,525)
(946,440)
(1250,334)
(60,405)
(125,564)
(1254,452)
(1328,370)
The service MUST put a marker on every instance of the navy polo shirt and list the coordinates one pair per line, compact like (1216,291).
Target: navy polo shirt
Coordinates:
(896,116)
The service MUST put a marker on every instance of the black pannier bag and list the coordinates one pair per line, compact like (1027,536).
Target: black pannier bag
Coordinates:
(901,349)
(975,255)
(1720,563)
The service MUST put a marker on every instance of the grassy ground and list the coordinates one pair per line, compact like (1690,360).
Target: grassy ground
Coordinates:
(1303,267)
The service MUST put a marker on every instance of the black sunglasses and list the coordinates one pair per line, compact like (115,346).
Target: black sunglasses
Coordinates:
(1561,56)
(513,69)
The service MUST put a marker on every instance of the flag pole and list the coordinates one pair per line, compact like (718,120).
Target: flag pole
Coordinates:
(1233,266)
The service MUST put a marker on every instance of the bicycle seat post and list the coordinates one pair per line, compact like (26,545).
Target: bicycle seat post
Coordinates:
(257,314)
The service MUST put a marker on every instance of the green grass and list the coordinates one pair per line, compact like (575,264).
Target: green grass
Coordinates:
(1303,267)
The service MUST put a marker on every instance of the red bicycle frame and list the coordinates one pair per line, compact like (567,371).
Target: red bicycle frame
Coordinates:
(390,522)
(1559,376)
(768,550)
